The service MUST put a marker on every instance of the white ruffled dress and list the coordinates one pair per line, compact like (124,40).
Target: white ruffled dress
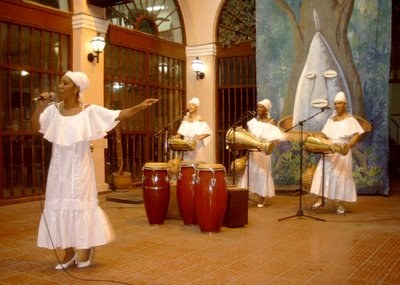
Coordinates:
(260,174)
(71,214)
(189,130)
(338,178)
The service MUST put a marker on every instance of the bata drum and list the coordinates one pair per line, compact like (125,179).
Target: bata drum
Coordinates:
(156,191)
(321,145)
(185,191)
(210,196)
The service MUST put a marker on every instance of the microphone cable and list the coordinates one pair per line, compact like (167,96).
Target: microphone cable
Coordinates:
(58,258)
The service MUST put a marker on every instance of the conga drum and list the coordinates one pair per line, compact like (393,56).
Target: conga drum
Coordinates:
(156,191)
(185,191)
(210,196)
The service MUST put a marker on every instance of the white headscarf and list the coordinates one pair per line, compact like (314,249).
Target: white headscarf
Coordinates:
(267,104)
(80,79)
(195,101)
(340,97)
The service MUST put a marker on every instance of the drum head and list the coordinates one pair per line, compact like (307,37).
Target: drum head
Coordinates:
(155,165)
(205,166)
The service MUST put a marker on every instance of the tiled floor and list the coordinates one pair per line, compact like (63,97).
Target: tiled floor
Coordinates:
(361,247)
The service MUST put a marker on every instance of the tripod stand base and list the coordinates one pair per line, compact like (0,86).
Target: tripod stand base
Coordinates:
(300,213)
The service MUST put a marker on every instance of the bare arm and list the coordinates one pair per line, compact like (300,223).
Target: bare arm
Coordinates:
(202,137)
(129,112)
(354,139)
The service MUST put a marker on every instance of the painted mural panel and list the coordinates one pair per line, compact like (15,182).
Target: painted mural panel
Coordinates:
(309,50)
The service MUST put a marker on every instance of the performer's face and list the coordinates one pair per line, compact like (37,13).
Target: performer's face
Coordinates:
(67,88)
(192,107)
(340,107)
(261,110)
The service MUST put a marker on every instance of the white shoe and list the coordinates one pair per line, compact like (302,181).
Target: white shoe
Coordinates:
(87,263)
(340,210)
(73,261)
(260,205)
(317,204)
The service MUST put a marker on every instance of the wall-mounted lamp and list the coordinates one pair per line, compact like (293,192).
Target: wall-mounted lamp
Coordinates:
(198,68)
(98,43)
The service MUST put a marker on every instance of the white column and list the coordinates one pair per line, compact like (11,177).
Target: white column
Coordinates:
(204,89)
(85,27)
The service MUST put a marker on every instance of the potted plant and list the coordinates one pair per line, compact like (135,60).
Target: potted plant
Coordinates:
(121,178)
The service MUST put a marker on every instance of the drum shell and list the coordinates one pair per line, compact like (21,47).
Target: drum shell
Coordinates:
(156,191)
(210,199)
(185,187)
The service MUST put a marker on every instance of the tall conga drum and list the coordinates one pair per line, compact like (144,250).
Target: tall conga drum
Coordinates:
(156,191)
(185,191)
(210,196)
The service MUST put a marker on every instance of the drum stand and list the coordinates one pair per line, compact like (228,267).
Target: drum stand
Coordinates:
(235,124)
(300,212)
(165,130)
(323,198)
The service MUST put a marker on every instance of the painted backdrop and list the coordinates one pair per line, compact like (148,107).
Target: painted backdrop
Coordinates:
(307,50)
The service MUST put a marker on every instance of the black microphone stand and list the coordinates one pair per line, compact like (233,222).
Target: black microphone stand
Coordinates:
(234,126)
(165,130)
(300,212)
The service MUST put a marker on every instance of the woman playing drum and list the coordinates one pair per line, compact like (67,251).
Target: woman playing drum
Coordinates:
(194,127)
(341,127)
(260,174)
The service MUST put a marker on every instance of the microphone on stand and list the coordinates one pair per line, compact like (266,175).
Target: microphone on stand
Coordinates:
(253,113)
(185,111)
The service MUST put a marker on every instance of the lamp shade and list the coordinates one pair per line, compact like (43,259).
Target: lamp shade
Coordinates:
(98,43)
(197,65)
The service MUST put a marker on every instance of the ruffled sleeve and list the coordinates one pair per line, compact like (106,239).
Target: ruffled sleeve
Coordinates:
(265,131)
(92,123)
(192,129)
(342,129)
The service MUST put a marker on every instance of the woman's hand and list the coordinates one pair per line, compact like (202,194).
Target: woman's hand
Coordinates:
(148,102)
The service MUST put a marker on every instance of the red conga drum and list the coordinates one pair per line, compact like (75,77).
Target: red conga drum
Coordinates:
(185,191)
(210,196)
(156,191)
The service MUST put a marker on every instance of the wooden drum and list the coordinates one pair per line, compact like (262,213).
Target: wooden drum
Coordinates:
(210,196)
(185,191)
(156,191)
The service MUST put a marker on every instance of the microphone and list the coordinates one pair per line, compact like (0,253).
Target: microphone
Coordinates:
(253,113)
(185,111)
(38,99)
(41,98)
(326,107)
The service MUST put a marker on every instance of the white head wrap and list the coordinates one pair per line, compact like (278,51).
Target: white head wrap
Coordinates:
(267,104)
(80,79)
(195,101)
(340,97)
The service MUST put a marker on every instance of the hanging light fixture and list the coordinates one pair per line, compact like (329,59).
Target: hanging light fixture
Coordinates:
(98,43)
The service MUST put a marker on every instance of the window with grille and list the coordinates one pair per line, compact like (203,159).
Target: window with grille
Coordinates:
(31,61)
(133,74)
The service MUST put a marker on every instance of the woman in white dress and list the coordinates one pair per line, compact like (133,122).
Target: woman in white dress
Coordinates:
(339,185)
(259,174)
(194,127)
(72,218)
